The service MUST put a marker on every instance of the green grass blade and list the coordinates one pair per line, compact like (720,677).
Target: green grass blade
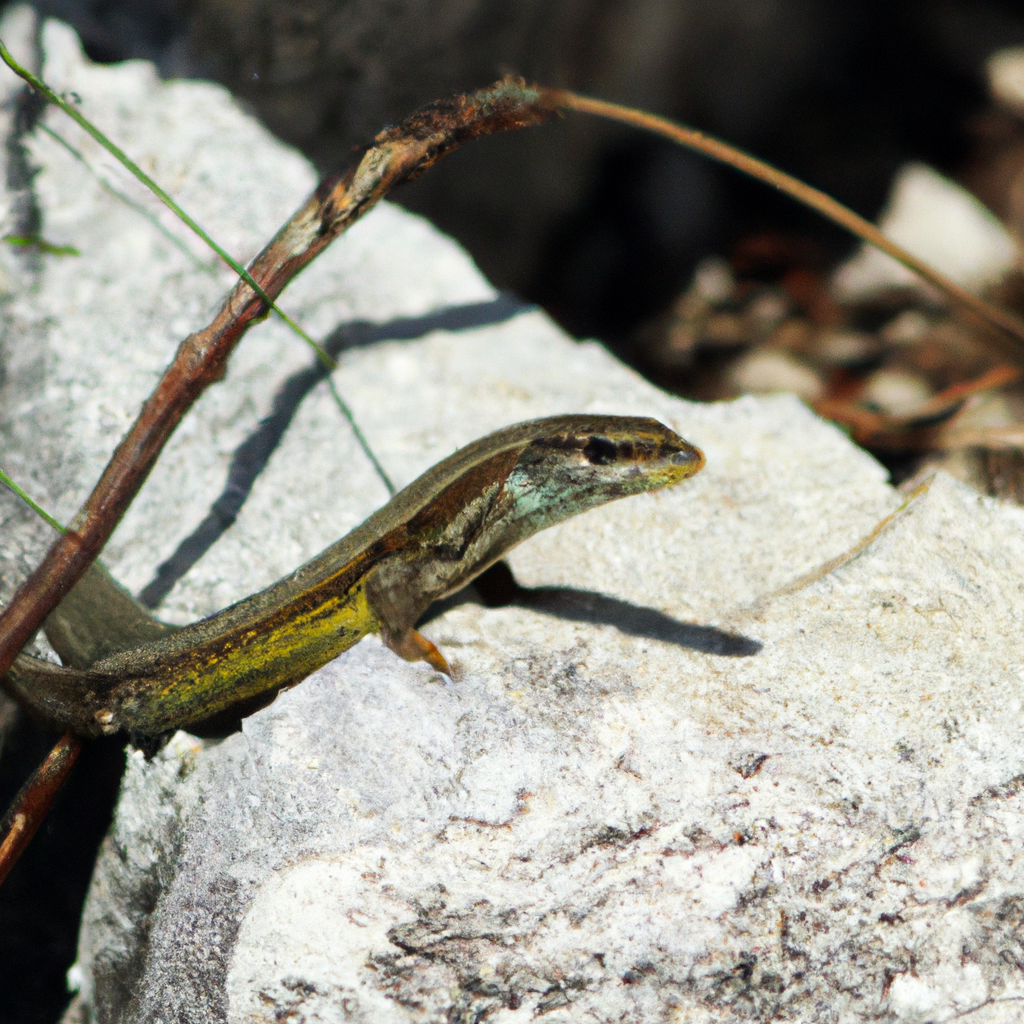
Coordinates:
(346,411)
(331,364)
(118,154)
(37,508)
(39,243)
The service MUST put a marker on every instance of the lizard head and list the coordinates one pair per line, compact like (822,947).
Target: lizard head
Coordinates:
(574,463)
(507,486)
(496,492)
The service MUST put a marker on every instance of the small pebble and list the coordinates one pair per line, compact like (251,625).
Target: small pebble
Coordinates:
(677,345)
(768,309)
(896,392)
(905,327)
(766,372)
(1006,78)
(846,348)
(713,280)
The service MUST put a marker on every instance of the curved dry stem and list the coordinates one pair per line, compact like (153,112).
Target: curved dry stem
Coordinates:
(800,191)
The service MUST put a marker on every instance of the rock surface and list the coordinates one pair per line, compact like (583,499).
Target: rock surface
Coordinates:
(739,751)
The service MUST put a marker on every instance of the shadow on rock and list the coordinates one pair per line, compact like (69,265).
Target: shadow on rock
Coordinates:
(497,588)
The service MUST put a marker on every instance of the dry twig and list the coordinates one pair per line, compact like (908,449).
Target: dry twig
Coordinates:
(800,191)
(398,154)
(33,801)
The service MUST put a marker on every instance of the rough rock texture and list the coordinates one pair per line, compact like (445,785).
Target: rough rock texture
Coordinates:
(82,340)
(736,752)
(614,819)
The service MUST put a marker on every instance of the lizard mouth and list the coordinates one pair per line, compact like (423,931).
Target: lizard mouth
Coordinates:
(688,460)
(679,460)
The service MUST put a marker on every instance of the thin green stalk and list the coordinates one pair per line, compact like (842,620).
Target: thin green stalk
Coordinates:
(331,364)
(37,508)
(346,411)
(40,243)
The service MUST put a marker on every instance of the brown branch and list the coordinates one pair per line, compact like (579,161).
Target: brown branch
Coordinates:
(33,801)
(397,155)
(915,431)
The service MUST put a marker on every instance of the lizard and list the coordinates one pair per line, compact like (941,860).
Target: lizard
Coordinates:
(125,671)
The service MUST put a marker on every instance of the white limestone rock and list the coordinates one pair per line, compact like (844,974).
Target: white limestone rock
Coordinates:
(739,754)
(611,826)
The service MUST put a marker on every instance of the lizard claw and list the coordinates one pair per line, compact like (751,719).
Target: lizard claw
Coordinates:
(414,646)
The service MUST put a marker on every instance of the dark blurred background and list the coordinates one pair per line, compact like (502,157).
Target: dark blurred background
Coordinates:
(600,225)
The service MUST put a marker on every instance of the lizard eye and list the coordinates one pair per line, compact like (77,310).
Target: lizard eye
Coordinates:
(599,451)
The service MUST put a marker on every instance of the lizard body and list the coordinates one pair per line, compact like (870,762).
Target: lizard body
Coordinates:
(430,540)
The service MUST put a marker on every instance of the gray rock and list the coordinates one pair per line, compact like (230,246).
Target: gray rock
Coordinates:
(1006,78)
(614,825)
(746,749)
